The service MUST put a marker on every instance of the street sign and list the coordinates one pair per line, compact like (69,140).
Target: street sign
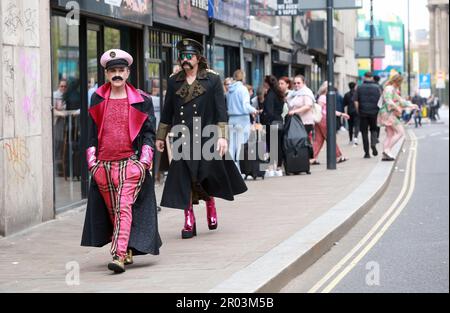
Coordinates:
(294,7)
(425,81)
(310,5)
(440,80)
(362,48)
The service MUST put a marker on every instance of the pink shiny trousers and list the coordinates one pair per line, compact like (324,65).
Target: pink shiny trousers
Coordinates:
(119,183)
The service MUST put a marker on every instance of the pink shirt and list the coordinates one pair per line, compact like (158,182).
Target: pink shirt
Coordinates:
(115,143)
(299,102)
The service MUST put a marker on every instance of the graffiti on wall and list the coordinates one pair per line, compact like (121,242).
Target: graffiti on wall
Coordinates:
(17,154)
(11,19)
(8,83)
(28,66)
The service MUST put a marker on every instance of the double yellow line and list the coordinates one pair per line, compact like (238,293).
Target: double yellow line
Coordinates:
(340,270)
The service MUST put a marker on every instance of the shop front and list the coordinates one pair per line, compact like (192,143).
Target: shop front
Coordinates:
(229,21)
(256,58)
(77,43)
(281,63)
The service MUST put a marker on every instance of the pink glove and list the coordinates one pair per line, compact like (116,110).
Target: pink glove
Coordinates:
(146,156)
(90,157)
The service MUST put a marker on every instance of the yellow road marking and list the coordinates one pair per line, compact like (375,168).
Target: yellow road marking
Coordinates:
(409,181)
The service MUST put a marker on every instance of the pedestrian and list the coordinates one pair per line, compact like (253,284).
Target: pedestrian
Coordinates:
(195,112)
(59,122)
(390,114)
(285,86)
(226,83)
(301,101)
(366,103)
(321,128)
(436,107)
(430,107)
(377,80)
(350,109)
(239,110)
(272,118)
(419,101)
(121,204)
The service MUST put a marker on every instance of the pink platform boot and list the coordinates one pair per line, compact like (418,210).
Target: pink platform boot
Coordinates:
(211,213)
(189,229)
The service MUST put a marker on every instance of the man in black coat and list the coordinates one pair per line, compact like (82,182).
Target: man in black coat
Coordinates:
(121,204)
(195,113)
(366,103)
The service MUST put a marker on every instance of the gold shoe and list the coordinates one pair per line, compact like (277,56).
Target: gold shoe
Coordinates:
(129,257)
(117,265)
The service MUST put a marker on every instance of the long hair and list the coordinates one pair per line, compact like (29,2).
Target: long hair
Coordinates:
(395,81)
(323,89)
(272,81)
(287,81)
(202,63)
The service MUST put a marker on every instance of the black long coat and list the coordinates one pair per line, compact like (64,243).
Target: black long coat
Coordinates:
(185,107)
(98,229)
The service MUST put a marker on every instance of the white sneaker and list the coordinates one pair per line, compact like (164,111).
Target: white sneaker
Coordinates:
(279,173)
(343,129)
(270,173)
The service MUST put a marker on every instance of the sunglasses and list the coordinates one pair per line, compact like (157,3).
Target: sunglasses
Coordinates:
(187,56)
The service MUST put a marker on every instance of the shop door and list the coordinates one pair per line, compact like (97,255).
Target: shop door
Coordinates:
(166,68)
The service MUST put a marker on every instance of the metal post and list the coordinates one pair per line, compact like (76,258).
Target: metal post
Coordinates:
(372,34)
(409,54)
(331,95)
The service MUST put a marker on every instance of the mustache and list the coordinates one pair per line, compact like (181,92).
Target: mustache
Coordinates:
(188,64)
(117,78)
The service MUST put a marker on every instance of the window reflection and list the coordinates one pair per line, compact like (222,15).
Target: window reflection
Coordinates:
(66,112)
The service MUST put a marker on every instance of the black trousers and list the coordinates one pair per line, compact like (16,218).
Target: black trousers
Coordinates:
(280,156)
(367,122)
(353,125)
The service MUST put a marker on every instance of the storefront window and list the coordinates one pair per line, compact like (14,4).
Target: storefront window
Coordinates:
(66,112)
(112,38)
(92,63)
(219,60)
(258,70)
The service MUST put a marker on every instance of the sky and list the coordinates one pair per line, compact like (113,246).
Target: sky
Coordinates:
(418,11)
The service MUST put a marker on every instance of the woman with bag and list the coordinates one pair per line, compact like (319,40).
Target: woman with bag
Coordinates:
(321,128)
(301,101)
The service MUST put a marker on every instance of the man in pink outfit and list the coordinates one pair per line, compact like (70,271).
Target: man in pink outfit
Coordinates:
(121,206)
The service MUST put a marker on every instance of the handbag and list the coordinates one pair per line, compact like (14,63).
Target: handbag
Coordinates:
(317,113)
(380,102)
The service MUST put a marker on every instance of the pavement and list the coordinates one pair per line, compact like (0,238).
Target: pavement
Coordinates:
(267,236)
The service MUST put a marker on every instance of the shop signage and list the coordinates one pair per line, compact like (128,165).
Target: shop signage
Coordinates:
(287,7)
(440,80)
(234,13)
(185,9)
(137,11)
(201,4)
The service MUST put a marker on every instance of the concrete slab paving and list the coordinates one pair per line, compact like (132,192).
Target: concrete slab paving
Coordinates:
(42,259)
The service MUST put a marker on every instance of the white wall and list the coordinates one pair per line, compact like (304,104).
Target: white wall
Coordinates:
(25,138)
